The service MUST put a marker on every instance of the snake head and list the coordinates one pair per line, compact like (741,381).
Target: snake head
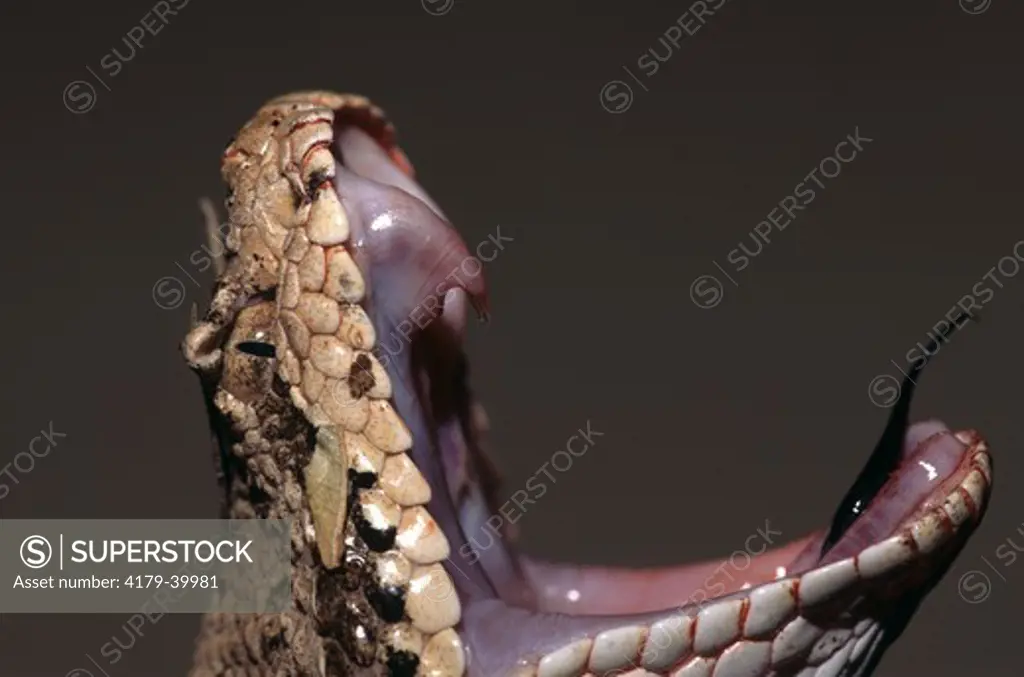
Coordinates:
(338,327)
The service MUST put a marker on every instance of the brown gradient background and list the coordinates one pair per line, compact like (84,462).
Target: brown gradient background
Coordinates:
(714,420)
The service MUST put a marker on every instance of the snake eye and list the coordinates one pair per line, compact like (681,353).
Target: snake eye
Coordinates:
(257,348)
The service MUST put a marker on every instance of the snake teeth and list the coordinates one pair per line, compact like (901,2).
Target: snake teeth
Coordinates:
(327,489)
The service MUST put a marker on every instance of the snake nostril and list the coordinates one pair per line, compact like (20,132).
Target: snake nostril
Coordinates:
(256,348)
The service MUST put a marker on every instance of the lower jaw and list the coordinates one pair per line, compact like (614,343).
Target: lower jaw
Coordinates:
(787,610)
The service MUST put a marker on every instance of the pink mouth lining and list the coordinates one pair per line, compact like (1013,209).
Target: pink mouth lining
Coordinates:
(514,605)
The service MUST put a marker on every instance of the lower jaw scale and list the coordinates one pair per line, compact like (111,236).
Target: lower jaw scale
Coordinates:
(824,622)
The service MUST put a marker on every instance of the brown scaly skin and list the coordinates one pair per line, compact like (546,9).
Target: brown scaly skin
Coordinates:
(263,441)
(264,445)
(258,441)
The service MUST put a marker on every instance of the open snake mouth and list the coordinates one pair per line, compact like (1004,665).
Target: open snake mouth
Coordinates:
(455,594)
(895,525)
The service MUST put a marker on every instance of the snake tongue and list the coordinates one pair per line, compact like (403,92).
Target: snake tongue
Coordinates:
(928,466)
(728,614)
(890,452)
